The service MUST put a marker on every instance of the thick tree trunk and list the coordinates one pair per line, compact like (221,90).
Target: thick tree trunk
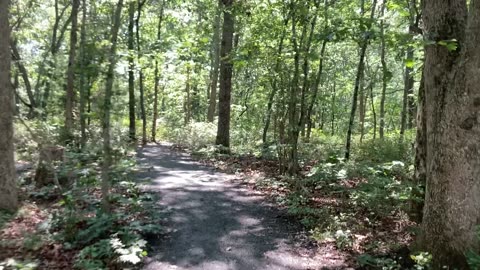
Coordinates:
(360,69)
(70,90)
(107,148)
(8,186)
(226,71)
(212,104)
(131,73)
(452,102)
(157,77)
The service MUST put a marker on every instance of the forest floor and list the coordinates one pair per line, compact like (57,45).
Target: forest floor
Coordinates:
(215,221)
(203,210)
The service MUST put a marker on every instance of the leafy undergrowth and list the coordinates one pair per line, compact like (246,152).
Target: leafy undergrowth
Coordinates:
(358,208)
(66,229)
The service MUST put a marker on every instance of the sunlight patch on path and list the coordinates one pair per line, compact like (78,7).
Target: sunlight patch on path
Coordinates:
(215,223)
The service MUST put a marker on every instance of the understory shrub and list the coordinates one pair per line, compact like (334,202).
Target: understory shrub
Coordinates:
(473,257)
(104,240)
(391,148)
(321,146)
(195,135)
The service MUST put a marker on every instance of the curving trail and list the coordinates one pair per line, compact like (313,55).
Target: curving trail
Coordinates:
(215,223)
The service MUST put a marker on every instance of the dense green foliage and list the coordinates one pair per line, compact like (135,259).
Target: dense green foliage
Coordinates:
(326,89)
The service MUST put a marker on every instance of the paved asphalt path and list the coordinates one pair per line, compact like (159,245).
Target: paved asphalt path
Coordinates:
(216,223)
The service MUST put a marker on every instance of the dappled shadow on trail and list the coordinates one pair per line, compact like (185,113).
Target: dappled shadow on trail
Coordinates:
(214,223)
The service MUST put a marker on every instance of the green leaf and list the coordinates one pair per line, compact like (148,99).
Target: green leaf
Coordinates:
(451,44)
(409,63)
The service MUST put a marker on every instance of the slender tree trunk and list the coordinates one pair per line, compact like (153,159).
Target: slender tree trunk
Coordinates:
(322,118)
(409,86)
(374,113)
(334,95)
(83,79)
(8,185)
(407,89)
(415,17)
(70,90)
(187,104)
(362,107)
(131,73)
(420,157)
(315,89)
(26,81)
(355,100)
(212,104)
(155,102)
(360,69)
(157,77)
(107,155)
(271,97)
(16,83)
(226,71)
(143,114)
(281,115)
(46,75)
(306,79)
(452,103)
(89,105)
(385,75)
(293,114)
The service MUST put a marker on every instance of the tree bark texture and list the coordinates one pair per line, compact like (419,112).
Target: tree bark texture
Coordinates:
(420,157)
(70,90)
(385,76)
(83,77)
(452,122)
(8,187)
(226,71)
(131,73)
(143,114)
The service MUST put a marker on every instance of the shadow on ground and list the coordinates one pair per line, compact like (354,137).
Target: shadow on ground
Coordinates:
(214,223)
